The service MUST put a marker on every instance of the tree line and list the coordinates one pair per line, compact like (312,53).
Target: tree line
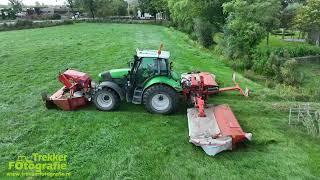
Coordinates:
(241,25)
(244,23)
(100,8)
(235,28)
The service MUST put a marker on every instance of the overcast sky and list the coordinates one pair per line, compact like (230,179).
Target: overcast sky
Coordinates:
(32,2)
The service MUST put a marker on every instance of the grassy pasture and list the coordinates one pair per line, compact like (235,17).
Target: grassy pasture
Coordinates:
(277,41)
(131,143)
(311,73)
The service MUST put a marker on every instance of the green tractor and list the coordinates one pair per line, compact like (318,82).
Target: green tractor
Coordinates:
(149,80)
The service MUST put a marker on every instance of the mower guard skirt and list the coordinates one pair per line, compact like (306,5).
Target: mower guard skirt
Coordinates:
(218,131)
(62,101)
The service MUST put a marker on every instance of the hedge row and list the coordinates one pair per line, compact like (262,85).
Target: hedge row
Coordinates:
(27,24)
(291,51)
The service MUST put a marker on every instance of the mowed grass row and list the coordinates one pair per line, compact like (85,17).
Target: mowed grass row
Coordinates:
(131,143)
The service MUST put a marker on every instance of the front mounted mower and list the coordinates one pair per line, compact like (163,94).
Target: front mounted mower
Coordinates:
(150,80)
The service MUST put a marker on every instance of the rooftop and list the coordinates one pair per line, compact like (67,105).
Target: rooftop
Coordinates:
(153,53)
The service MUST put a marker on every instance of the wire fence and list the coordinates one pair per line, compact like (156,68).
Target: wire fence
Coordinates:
(307,116)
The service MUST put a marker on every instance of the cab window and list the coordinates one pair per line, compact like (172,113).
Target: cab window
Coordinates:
(163,66)
(147,68)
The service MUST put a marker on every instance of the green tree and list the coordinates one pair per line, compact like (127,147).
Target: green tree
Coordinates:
(285,3)
(153,6)
(112,8)
(91,6)
(71,5)
(3,16)
(182,13)
(16,5)
(288,14)
(248,22)
(212,11)
(289,73)
(119,7)
(203,31)
(269,16)
(308,16)
(103,8)
(37,3)
(133,7)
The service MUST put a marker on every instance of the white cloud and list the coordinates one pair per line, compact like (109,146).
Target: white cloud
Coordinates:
(32,2)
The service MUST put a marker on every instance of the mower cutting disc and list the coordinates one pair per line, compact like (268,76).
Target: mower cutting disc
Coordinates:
(205,132)
(202,126)
(218,131)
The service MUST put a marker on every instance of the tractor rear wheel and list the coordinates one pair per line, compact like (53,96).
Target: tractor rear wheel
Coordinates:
(106,100)
(160,99)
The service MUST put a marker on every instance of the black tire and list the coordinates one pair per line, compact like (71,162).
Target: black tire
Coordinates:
(157,91)
(47,102)
(106,100)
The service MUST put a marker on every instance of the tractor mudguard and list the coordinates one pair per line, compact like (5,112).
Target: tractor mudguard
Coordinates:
(114,87)
(164,80)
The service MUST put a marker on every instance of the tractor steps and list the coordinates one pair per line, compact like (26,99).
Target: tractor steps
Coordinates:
(137,96)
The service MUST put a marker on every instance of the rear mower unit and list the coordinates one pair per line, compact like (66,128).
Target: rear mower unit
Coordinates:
(214,128)
(150,81)
(74,93)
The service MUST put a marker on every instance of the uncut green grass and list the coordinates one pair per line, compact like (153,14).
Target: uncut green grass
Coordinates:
(311,72)
(131,143)
(277,41)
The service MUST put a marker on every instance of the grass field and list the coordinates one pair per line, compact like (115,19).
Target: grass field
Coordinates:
(311,73)
(276,41)
(131,143)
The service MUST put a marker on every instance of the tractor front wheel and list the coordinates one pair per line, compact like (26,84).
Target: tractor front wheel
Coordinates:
(106,100)
(160,99)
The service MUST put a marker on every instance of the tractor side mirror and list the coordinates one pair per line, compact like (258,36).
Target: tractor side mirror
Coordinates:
(130,64)
(136,57)
(171,65)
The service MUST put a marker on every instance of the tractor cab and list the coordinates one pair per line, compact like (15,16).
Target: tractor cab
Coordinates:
(148,64)
(145,68)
